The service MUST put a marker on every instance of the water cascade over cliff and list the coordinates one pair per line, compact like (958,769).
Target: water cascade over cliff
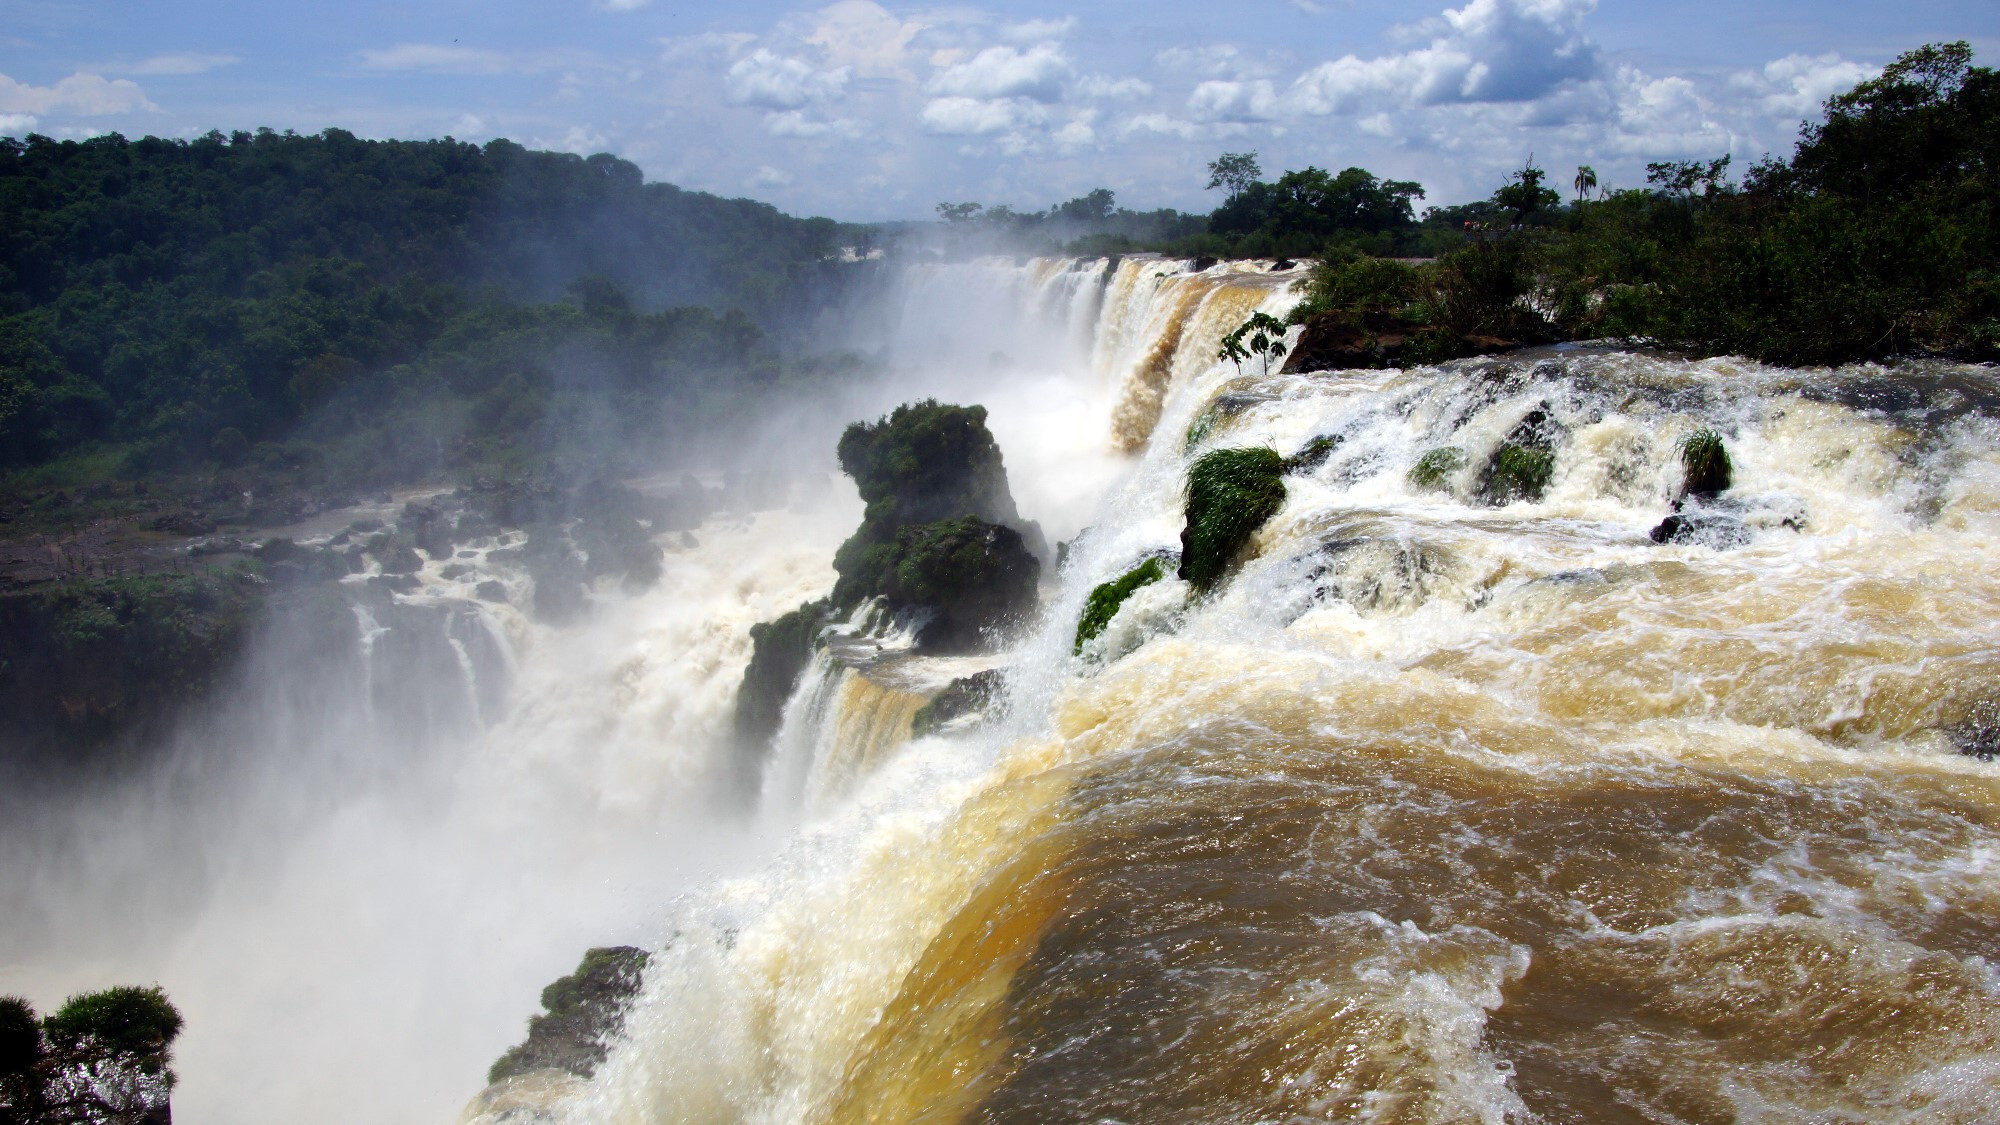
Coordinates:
(1478,790)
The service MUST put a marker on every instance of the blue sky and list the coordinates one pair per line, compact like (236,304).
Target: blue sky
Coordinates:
(866,111)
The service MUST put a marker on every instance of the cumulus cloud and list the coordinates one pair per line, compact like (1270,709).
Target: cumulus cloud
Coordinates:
(442,58)
(794,123)
(772,81)
(82,93)
(1487,51)
(863,35)
(767,176)
(1078,132)
(17,124)
(1003,72)
(971,117)
(1219,100)
(183,62)
(1160,124)
(1798,84)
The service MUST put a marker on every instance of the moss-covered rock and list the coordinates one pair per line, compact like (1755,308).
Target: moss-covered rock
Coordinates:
(582,1011)
(966,695)
(88,662)
(1312,454)
(928,461)
(1516,472)
(779,653)
(1229,495)
(972,577)
(1433,471)
(1106,597)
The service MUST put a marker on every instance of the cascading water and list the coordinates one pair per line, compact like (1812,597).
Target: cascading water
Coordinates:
(1457,802)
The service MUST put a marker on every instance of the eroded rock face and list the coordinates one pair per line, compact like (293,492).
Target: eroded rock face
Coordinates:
(581,1013)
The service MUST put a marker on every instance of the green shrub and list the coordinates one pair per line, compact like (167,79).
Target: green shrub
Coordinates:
(137,1024)
(1342,281)
(1229,495)
(1432,472)
(1705,466)
(1105,599)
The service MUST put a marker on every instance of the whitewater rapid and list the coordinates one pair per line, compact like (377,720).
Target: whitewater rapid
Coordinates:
(1438,811)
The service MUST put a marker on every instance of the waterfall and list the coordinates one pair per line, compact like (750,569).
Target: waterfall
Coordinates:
(1461,800)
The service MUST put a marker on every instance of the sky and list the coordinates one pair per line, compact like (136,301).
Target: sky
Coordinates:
(870,111)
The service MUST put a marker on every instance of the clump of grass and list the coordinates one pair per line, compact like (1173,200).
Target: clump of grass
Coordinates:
(1108,596)
(1432,472)
(1705,466)
(1229,495)
(1518,473)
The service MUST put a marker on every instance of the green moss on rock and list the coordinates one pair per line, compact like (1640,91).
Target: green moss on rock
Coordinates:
(581,1012)
(1105,599)
(1433,471)
(1229,495)
(779,653)
(1517,472)
(963,696)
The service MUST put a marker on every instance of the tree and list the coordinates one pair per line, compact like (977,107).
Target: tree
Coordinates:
(1235,171)
(1523,194)
(959,212)
(1586,182)
(103,1057)
(1686,177)
(1092,208)
(1263,336)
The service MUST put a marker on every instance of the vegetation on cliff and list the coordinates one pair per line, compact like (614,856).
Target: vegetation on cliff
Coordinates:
(102,1056)
(581,1012)
(1106,597)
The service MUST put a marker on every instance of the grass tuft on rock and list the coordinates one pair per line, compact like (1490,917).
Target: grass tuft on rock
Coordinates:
(1705,466)
(1432,472)
(1108,596)
(1518,473)
(1229,495)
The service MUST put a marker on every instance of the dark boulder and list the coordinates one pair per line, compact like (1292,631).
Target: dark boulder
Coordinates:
(967,695)
(491,591)
(971,577)
(1702,527)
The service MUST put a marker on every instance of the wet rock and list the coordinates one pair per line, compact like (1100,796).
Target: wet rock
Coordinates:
(491,591)
(398,583)
(972,695)
(1702,527)
(188,521)
(974,578)
(394,554)
(455,570)
(1977,734)
(779,653)
(1201,263)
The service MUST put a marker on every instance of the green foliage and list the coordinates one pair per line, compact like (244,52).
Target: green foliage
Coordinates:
(1433,471)
(1524,194)
(371,311)
(21,1044)
(135,1025)
(1235,171)
(1705,468)
(1229,495)
(1478,288)
(1356,283)
(1263,336)
(1517,472)
(1307,210)
(1106,597)
(1199,429)
(971,574)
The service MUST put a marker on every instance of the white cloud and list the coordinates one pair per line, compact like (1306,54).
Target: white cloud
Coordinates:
(767,176)
(1077,133)
(579,139)
(1487,51)
(863,35)
(468,125)
(1160,123)
(1035,31)
(794,123)
(82,93)
(442,58)
(774,81)
(1217,100)
(1003,72)
(970,117)
(1119,89)
(621,5)
(17,124)
(1798,84)
(183,62)
(1217,60)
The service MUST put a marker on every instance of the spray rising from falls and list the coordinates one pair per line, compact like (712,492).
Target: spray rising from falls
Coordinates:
(1478,789)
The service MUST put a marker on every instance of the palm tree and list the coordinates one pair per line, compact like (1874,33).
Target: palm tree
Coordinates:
(1586,179)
